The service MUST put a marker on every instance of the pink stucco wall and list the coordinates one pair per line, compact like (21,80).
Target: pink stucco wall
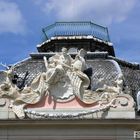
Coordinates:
(48,102)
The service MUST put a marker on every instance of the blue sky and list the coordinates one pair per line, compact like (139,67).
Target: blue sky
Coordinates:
(21,22)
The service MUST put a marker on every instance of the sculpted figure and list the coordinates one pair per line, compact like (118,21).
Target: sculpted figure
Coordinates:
(20,98)
(79,80)
(62,61)
(57,68)
(79,62)
(8,86)
(65,59)
(117,88)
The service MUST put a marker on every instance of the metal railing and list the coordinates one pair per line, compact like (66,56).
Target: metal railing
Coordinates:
(76,29)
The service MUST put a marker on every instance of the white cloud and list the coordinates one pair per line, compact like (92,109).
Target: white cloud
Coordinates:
(11,19)
(102,11)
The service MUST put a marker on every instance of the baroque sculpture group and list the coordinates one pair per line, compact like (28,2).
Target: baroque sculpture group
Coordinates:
(65,78)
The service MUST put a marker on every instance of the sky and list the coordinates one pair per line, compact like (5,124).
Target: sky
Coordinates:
(21,22)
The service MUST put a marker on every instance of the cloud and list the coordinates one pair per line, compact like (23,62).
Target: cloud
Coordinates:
(102,11)
(11,19)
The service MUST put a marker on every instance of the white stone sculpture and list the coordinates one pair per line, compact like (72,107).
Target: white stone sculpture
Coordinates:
(57,81)
(63,80)
(21,98)
(79,62)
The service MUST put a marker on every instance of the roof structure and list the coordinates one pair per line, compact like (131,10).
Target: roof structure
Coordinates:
(76,29)
(87,35)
